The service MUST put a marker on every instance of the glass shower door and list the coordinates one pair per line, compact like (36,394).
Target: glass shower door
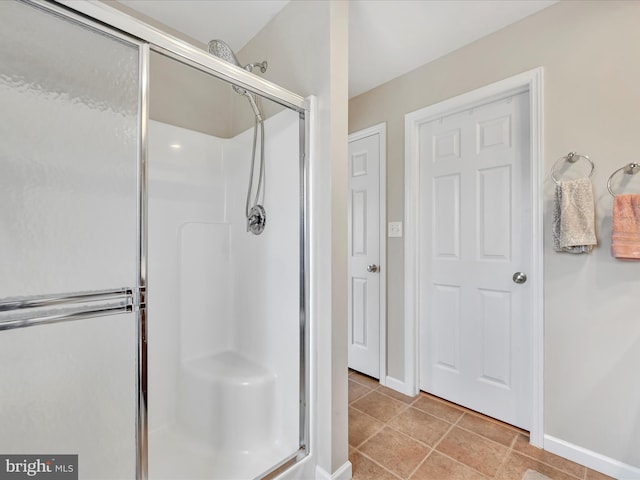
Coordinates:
(69,243)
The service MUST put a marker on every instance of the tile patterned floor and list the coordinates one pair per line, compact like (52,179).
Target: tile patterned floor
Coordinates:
(392,437)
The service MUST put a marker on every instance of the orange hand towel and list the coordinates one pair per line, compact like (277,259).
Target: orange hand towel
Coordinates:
(625,234)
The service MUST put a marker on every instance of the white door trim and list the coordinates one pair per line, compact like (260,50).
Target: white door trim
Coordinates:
(530,81)
(381,130)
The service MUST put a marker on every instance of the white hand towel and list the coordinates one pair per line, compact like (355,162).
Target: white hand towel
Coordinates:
(574,226)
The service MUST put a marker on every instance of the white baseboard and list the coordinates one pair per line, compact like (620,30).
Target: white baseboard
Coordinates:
(399,386)
(595,461)
(343,473)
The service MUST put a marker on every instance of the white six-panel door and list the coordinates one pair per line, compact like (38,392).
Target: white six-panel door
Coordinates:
(364,255)
(474,236)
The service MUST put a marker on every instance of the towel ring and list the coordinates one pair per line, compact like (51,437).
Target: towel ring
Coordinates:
(629,169)
(571,157)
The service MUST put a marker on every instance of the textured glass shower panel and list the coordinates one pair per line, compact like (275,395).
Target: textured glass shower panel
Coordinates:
(68,388)
(69,99)
(68,155)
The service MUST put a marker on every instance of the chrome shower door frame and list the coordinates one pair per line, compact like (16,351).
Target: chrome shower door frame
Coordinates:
(100,16)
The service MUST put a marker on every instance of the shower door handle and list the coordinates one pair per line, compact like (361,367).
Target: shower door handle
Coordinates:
(372,268)
(47,309)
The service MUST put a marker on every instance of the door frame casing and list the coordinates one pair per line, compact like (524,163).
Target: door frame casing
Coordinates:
(381,130)
(531,82)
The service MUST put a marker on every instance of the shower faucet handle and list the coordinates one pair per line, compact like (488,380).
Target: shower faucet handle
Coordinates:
(256,220)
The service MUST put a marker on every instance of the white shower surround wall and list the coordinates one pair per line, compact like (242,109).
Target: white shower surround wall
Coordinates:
(224,307)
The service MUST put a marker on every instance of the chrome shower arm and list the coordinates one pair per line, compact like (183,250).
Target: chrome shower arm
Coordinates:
(261,65)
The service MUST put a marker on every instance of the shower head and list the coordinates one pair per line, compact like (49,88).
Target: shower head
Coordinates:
(223,51)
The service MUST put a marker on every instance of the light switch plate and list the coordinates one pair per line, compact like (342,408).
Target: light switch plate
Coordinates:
(395,229)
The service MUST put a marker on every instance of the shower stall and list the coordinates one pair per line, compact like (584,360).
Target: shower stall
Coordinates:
(153,321)
(224,304)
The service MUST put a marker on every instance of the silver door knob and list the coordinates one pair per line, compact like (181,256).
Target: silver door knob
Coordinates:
(519,277)
(372,268)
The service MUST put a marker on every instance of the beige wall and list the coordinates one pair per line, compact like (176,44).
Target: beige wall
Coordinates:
(590,54)
(185,97)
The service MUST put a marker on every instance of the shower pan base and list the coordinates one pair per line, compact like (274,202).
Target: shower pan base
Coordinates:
(175,455)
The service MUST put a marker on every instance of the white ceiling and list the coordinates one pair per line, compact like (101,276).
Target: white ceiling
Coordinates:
(234,21)
(387,38)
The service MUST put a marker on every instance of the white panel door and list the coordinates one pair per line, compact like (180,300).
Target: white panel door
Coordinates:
(474,236)
(364,255)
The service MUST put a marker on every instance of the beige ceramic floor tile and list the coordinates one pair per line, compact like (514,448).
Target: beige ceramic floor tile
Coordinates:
(439,467)
(361,427)
(357,390)
(379,406)
(364,380)
(488,428)
(522,445)
(438,408)
(473,450)
(397,395)
(395,451)
(365,469)
(593,475)
(420,425)
(517,464)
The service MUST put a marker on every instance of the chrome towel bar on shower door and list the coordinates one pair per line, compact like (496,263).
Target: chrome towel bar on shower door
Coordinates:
(23,312)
